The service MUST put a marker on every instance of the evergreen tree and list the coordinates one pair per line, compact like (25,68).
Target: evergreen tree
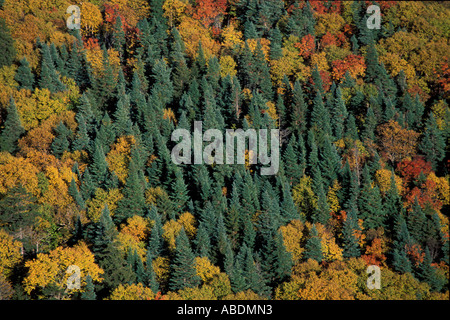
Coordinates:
(151,275)
(433,142)
(133,201)
(12,129)
(275,44)
(299,110)
(369,202)
(24,76)
(313,247)
(351,246)
(61,142)
(339,115)
(402,238)
(7,49)
(183,273)
(254,279)
(73,191)
(119,37)
(428,273)
(99,166)
(89,293)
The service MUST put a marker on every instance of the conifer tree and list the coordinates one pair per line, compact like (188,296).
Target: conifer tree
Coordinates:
(61,142)
(183,273)
(12,129)
(313,247)
(24,76)
(89,293)
(151,275)
(299,110)
(428,273)
(73,191)
(433,142)
(7,49)
(338,115)
(351,246)
(369,202)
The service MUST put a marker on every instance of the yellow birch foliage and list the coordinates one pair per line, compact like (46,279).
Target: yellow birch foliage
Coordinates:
(97,203)
(91,18)
(192,32)
(227,66)
(383,180)
(132,292)
(15,171)
(133,235)
(205,269)
(332,198)
(292,235)
(173,227)
(50,269)
(232,37)
(161,266)
(9,253)
(119,156)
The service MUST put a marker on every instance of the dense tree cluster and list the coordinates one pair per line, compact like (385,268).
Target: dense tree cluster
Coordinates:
(86,176)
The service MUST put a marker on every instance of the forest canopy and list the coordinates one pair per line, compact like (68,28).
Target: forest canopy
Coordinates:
(86,176)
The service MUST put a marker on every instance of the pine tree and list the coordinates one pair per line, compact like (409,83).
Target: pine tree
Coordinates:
(12,129)
(24,76)
(179,194)
(433,142)
(313,247)
(89,293)
(183,273)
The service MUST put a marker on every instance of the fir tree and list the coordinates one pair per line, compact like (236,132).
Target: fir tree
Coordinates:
(7,49)
(12,129)
(89,293)
(428,273)
(183,273)
(433,142)
(61,142)
(351,246)
(313,247)
(24,76)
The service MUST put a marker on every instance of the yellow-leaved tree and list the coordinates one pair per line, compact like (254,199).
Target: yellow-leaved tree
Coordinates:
(51,269)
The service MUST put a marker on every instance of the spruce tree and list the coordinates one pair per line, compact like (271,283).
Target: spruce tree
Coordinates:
(429,274)
(433,142)
(313,247)
(61,142)
(7,49)
(89,293)
(12,129)
(351,246)
(24,76)
(183,273)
